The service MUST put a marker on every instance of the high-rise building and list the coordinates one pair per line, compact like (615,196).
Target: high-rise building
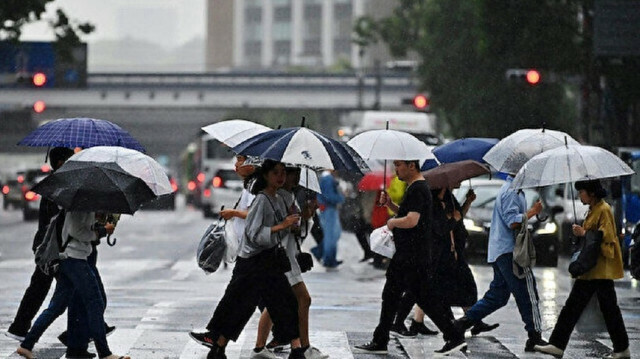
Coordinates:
(255,34)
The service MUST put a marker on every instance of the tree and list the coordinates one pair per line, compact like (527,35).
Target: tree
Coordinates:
(467,45)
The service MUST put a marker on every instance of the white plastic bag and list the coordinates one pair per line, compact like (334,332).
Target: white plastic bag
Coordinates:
(381,242)
(232,240)
(591,319)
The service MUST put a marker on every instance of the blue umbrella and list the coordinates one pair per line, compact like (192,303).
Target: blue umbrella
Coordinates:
(302,146)
(80,132)
(472,148)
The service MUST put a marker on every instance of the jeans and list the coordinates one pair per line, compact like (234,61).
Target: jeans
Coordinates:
(331,227)
(503,285)
(580,295)
(75,278)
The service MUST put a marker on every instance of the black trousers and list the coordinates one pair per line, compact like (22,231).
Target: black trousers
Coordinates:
(31,302)
(408,277)
(255,280)
(579,297)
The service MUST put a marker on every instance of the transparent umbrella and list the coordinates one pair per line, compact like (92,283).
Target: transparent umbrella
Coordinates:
(513,151)
(234,132)
(570,163)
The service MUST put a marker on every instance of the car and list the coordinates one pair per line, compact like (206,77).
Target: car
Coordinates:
(30,199)
(573,211)
(544,229)
(12,194)
(224,189)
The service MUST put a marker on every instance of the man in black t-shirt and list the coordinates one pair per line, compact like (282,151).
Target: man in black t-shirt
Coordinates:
(410,268)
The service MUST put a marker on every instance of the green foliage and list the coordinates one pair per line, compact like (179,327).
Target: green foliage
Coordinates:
(467,45)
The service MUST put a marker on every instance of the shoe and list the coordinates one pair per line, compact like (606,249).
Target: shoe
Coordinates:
(452,346)
(461,325)
(549,349)
(314,353)
(371,347)
(534,339)
(15,336)
(297,353)
(400,331)
(625,354)
(276,347)
(79,354)
(262,353)
(483,327)
(420,328)
(204,339)
(108,330)
(216,352)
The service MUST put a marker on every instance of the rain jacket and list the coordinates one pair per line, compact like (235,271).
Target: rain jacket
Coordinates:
(609,265)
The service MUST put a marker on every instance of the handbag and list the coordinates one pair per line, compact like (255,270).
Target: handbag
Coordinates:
(586,255)
(524,252)
(381,242)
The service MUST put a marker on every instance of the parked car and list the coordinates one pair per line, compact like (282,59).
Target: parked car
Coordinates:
(544,231)
(12,194)
(223,189)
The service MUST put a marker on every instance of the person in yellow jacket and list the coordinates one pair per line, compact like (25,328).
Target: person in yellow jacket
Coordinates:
(598,280)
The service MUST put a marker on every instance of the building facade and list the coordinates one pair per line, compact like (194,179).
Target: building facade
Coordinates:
(272,34)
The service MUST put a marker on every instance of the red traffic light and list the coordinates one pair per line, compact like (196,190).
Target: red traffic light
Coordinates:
(421,102)
(39,79)
(533,77)
(39,106)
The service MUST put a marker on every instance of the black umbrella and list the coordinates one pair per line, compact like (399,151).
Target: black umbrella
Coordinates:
(95,187)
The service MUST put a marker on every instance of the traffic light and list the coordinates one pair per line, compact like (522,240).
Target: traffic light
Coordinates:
(531,77)
(420,102)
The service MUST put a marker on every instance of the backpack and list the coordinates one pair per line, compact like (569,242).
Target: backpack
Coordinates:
(48,253)
(212,247)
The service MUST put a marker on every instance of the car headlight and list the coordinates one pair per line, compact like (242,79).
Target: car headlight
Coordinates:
(471,226)
(549,228)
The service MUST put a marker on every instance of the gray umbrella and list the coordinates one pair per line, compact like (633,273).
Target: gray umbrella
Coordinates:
(513,151)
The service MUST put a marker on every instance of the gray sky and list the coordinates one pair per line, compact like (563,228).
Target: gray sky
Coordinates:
(169,23)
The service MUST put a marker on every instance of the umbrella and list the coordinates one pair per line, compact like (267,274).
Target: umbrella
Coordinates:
(511,153)
(80,132)
(373,181)
(133,162)
(570,163)
(309,179)
(472,148)
(449,175)
(234,132)
(103,184)
(303,147)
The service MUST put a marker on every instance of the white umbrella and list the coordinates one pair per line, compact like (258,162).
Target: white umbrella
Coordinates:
(513,151)
(389,145)
(570,163)
(234,132)
(136,163)
(309,179)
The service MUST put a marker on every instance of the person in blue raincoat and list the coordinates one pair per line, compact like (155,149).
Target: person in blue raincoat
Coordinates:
(328,202)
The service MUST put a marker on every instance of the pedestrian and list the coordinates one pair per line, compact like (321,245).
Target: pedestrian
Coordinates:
(408,270)
(294,276)
(78,289)
(40,283)
(259,273)
(509,209)
(239,214)
(328,201)
(597,281)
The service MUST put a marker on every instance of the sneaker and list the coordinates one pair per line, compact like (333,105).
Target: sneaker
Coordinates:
(400,331)
(262,353)
(625,354)
(216,352)
(371,348)
(314,353)
(15,336)
(534,339)
(420,328)
(483,327)
(452,346)
(549,349)
(204,339)
(79,354)
(276,347)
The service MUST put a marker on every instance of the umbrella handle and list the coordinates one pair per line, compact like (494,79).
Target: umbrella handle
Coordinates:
(111,243)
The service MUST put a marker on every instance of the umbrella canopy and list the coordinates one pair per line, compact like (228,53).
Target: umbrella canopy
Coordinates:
(80,132)
(568,164)
(513,151)
(373,181)
(234,132)
(133,162)
(309,180)
(472,148)
(304,147)
(390,145)
(95,187)
(449,175)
